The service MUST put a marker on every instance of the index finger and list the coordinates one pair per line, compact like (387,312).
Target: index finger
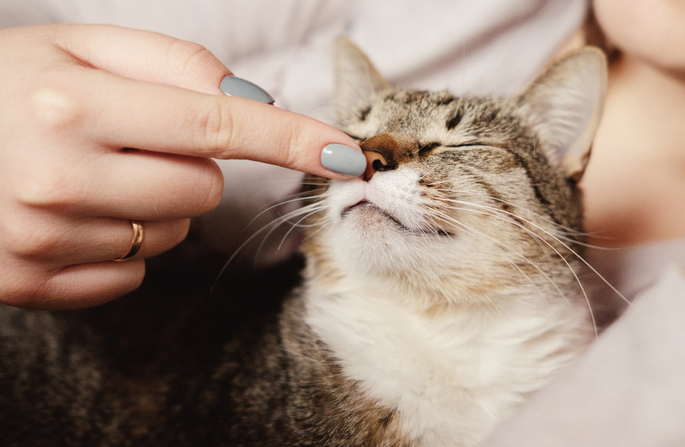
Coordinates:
(169,119)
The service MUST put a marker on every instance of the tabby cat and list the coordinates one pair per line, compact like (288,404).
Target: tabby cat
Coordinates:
(441,289)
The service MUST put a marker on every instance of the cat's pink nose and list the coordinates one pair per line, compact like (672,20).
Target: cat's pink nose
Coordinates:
(374,162)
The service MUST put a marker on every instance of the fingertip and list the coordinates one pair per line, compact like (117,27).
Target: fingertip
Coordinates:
(344,160)
(325,150)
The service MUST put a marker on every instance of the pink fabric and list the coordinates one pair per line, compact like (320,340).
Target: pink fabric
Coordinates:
(628,390)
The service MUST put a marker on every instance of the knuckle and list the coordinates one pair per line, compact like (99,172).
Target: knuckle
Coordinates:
(296,138)
(189,58)
(17,296)
(55,109)
(26,240)
(21,289)
(214,189)
(213,129)
(43,187)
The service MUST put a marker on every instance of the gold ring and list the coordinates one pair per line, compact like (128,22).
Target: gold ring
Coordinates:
(137,241)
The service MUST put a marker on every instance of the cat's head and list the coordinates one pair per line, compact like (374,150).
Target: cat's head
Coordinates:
(463,196)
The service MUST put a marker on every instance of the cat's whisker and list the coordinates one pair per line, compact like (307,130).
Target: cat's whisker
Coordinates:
(301,196)
(270,227)
(311,234)
(566,246)
(305,211)
(547,277)
(503,252)
(568,232)
(450,220)
(496,245)
(293,214)
(494,209)
(498,199)
(533,234)
(295,226)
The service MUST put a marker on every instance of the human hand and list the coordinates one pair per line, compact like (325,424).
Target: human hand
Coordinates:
(74,98)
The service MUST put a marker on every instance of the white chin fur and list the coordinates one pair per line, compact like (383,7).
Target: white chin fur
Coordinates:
(388,232)
(450,375)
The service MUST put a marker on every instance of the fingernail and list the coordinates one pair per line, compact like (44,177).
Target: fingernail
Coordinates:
(343,160)
(235,86)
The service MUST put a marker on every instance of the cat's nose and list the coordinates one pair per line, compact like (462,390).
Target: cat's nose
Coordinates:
(375,161)
(382,153)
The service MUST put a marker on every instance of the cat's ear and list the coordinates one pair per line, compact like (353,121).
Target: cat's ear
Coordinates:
(356,79)
(564,105)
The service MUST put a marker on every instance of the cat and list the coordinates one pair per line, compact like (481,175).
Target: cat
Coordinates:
(440,290)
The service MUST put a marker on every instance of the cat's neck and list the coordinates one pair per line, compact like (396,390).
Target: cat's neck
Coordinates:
(460,364)
(635,177)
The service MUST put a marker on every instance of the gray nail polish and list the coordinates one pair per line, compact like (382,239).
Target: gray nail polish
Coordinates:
(343,160)
(235,86)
